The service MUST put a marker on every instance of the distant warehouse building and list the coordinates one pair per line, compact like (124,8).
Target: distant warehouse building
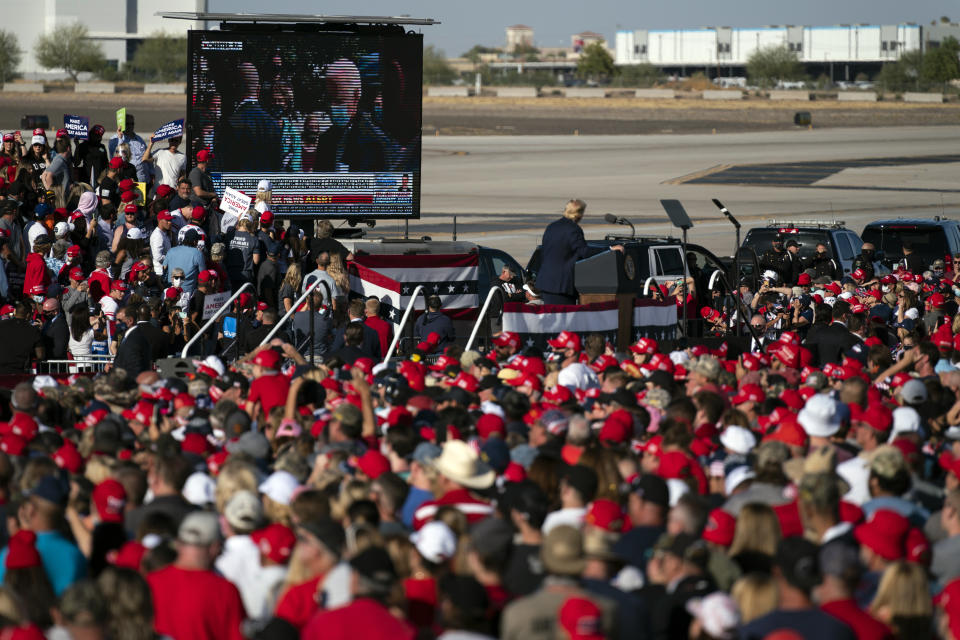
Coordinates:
(724,51)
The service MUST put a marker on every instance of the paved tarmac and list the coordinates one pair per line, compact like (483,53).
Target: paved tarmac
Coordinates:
(504,190)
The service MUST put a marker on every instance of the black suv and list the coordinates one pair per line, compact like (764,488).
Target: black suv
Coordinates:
(842,243)
(932,239)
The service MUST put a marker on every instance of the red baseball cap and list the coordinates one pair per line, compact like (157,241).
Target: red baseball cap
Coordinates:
(204,155)
(128,197)
(116,162)
(164,215)
(604,361)
(172,292)
(558,395)
(645,346)
(566,340)
(198,213)
(262,306)
(118,285)
(489,424)
(268,359)
(110,499)
(804,279)
(720,528)
(68,458)
(164,190)
(466,382)
(373,464)
(276,541)
(507,339)
(858,274)
(581,619)
(885,534)
(266,217)
(24,426)
(618,427)
(749,393)
(606,514)
(205,276)
(443,362)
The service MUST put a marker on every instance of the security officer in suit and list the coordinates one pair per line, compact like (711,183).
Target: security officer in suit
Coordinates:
(562,245)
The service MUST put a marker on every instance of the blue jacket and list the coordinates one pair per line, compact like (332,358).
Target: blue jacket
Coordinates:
(563,244)
(434,321)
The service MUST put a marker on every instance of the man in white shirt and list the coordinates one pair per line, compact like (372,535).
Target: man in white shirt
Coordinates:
(240,560)
(160,240)
(573,373)
(169,161)
(871,429)
(578,487)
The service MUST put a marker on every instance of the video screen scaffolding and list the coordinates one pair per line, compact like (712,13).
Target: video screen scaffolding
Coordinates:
(330,114)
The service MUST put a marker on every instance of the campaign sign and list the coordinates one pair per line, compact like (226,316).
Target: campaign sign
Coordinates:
(77,126)
(212,303)
(122,119)
(170,130)
(235,202)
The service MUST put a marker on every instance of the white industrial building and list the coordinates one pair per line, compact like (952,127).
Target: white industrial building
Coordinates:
(118,25)
(726,46)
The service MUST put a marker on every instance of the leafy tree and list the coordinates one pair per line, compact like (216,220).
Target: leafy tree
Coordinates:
(10,55)
(770,65)
(69,48)
(596,63)
(160,58)
(526,51)
(436,69)
(637,75)
(473,55)
(941,65)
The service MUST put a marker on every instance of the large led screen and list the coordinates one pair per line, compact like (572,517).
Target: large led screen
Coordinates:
(331,119)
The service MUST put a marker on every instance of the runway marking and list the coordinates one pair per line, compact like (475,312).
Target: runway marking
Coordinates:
(805,174)
(696,175)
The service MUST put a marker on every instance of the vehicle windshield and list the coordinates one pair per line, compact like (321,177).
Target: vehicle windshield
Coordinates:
(927,241)
(761,240)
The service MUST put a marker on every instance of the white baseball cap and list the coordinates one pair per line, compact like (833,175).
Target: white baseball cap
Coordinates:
(435,541)
(736,477)
(738,439)
(134,233)
(61,229)
(264,185)
(280,486)
(38,140)
(199,489)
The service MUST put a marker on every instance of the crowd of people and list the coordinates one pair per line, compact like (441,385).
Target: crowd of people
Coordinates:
(805,486)
(96,242)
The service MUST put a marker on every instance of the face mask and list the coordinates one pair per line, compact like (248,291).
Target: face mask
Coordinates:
(956,292)
(177,281)
(868,254)
(821,254)
(37,299)
(339,115)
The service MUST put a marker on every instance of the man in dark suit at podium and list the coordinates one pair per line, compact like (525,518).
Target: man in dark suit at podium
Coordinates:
(563,244)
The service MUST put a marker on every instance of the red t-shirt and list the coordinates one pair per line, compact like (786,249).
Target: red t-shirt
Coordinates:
(864,625)
(421,595)
(363,618)
(270,390)
(299,603)
(195,605)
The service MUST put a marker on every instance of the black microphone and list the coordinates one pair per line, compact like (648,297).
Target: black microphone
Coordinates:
(612,219)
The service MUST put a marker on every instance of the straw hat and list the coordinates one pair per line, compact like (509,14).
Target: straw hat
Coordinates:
(461,464)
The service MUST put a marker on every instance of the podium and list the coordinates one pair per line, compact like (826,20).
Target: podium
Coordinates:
(613,275)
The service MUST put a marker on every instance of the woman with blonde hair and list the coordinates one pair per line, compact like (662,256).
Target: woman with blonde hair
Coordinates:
(756,596)
(290,286)
(338,272)
(903,601)
(264,197)
(234,476)
(129,602)
(755,538)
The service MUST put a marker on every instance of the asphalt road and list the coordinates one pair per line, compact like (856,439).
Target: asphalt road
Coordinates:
(504,190)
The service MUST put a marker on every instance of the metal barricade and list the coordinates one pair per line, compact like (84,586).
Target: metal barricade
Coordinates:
(481,316)
(82,364)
